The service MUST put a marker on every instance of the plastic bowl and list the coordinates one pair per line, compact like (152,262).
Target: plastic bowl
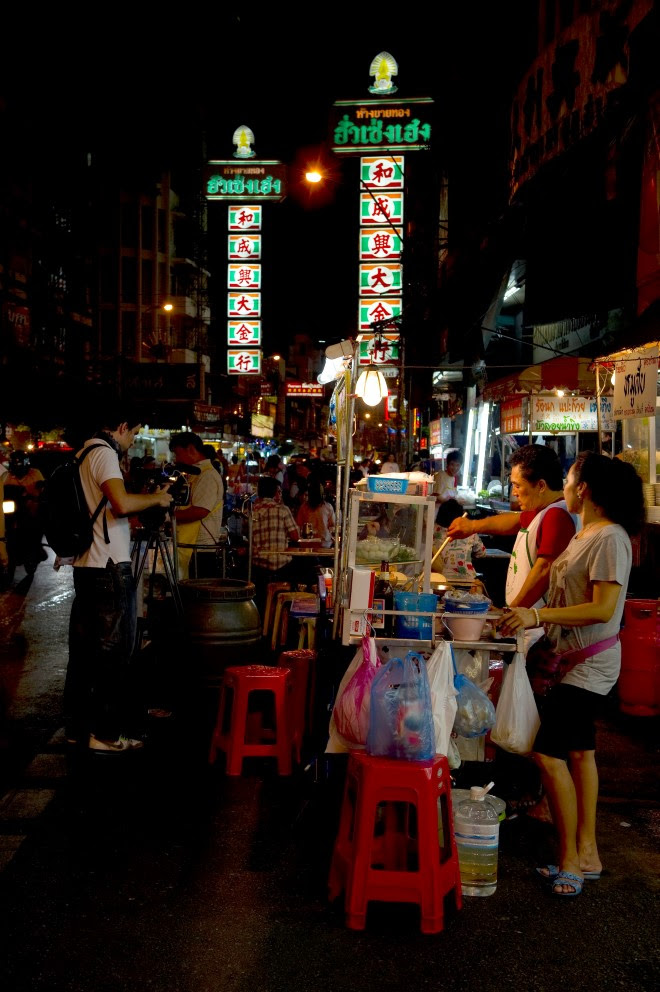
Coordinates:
(464,628)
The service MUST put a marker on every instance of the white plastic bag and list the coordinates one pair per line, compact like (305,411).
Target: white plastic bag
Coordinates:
(516,717)
(443,695)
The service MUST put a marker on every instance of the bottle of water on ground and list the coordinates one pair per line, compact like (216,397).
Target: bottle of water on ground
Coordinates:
(476,828)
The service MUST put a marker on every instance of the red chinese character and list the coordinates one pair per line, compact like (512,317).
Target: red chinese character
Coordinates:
(243,333)
(245,218)
(243,362)
(244,276)
(379,312)
(381,242)
(381,206)
(382,172)
(380,351)
(377,278)
(245,303)
(244,247)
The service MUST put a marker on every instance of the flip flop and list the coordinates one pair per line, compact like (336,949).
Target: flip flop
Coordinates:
(550,872)
(567,878)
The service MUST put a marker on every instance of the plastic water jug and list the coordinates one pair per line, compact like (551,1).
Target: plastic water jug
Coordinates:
(477,829)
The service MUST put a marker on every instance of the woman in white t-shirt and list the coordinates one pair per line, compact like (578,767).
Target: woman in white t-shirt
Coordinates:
(446,480)
(585,603)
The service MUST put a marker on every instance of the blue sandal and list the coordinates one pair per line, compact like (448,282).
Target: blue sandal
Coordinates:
(550,872)
(567,878)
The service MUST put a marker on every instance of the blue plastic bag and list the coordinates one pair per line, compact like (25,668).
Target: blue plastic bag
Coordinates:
(401,717)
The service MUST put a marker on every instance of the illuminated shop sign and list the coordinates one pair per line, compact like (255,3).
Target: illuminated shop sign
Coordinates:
(373,311)
(570,413)
(376,280)
(303,389)
(243,332)
(244,276)
(246,361)
(383,172)
(243,304)
(383,351)
(250,180)
(381,208)
(244,246)
(362,126)
(247,218)
(384,245)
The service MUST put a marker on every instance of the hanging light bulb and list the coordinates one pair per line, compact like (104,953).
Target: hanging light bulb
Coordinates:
(371,387)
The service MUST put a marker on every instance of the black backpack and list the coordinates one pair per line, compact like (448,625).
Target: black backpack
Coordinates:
(68,524)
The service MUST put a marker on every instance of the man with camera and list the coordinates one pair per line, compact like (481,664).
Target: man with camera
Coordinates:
(101,706)
(199,523)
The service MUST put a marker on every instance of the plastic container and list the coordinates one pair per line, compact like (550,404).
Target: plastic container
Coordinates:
(464,628)
(639,680)
(381,484)
(466,603)
(415,628)
(477,831)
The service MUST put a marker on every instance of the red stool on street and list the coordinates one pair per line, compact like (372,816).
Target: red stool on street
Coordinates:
(383,853)
(301,664)
(235,725)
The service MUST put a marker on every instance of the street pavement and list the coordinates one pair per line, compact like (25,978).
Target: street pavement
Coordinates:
(153,871)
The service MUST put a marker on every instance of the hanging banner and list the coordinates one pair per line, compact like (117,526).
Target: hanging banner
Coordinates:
(381,245)
(243,332)
(247,361)
(381,208)
(635,385)
(383,172)
(244,276)
(565,413)
(375,280)
(246,247)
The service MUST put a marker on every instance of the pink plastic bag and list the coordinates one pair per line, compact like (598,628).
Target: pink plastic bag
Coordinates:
(353,703)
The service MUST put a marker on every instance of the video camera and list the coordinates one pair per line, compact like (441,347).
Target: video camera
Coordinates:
(154,517)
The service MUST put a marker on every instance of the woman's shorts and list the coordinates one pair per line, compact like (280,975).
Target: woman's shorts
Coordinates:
(568,721)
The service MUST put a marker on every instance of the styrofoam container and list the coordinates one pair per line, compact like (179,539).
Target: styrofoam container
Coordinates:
(464,628)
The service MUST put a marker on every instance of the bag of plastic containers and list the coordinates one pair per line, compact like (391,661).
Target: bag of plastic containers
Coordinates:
(475,713)
(350,716)
(401,717)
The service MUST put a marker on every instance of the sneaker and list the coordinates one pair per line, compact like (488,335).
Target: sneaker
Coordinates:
(114,747)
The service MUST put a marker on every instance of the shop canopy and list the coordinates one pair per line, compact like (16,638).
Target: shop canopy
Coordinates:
(569,373)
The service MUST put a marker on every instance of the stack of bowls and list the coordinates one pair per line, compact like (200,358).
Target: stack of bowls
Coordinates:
(465,615)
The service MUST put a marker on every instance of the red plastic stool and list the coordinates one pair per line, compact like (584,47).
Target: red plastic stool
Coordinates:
(301,663)
(380,854)
(242,680)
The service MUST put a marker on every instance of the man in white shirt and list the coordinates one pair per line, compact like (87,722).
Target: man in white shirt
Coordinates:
(100,696)
(199,523)
(389,465)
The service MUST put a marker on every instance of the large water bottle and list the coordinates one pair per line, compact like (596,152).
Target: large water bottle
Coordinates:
(477,829)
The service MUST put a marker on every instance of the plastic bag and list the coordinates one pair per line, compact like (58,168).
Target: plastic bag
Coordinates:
(475,713)
(351,710)
(516,717)
(401,719)
(443,695)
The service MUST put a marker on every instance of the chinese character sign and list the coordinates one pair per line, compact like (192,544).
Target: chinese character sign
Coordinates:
(244,247)
(381,208)
(382,172)
(373,311)
(243,332)
(382,245)
(244,218)
(243,304)
(244,276)
(378,351)
(247,361)
(376,280)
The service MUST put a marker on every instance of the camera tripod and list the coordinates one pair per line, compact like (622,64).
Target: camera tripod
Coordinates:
(154,539)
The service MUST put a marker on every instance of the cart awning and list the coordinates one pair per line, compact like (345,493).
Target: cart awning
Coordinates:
(574,374)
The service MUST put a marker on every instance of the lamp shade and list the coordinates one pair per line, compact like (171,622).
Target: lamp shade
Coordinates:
(371,387)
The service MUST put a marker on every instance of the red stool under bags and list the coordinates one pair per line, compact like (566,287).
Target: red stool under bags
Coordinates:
(233,725)
(402,853)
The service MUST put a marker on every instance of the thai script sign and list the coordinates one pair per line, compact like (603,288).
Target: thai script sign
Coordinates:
(359,126)
(243,332)
(384,245)
(254,180)
(244,246)
(244,276)
(568,413)
(381,208)
(373,311)
(247,361)
(375,280)
(245,218)
(635,385)
(382,172)
(512,420)
(304,389)
(378,351)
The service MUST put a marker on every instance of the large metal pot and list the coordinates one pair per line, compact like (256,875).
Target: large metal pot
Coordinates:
(222,624)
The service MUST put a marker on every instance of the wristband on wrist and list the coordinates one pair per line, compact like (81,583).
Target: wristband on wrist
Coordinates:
(536,616)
